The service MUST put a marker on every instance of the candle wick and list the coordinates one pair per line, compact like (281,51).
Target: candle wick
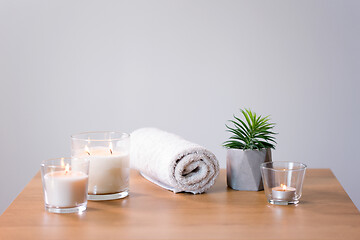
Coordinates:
(110,151)
(88,153)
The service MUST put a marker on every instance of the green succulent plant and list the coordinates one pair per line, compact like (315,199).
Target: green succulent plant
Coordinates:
(254,132)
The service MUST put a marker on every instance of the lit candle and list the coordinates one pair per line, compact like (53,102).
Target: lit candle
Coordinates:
(65,188)
(109,170)
(283,192)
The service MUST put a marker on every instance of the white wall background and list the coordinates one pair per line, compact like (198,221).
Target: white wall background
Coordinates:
(182,66)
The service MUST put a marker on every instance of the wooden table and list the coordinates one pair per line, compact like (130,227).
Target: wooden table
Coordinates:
(150,212)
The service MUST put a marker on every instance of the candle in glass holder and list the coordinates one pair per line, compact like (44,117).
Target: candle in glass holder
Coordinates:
(275,173)
(65,189)
(108,153)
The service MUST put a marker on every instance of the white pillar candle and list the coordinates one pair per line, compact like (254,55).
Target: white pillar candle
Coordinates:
(283,192)
(65,188)
(109,170)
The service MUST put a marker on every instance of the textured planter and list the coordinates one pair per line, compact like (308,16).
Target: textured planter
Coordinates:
(243,168)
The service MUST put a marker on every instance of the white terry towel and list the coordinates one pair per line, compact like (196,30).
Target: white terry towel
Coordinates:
(172,162)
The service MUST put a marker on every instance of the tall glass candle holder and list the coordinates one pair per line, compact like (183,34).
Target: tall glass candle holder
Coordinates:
(65,183)
(283,181)
(108,153)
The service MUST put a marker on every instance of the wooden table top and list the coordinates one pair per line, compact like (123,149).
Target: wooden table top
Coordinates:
(150,212)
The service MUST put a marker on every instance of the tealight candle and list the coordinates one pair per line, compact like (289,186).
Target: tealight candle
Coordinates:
(283,192)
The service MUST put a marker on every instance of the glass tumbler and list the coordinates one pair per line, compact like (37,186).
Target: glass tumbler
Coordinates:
(283,181)
(108,153)
(65,183)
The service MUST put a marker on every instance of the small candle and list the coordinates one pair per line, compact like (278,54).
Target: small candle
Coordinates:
(65,188)
(283,192)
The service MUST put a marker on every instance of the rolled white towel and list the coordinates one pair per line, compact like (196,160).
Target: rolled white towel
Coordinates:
(172,162)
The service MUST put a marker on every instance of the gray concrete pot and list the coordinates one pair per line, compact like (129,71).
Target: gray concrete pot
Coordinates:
(243,168)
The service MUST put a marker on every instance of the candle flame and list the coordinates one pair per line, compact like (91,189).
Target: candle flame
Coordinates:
(283,187)
(111,148)
(86,149)
(67,168)
(62,162)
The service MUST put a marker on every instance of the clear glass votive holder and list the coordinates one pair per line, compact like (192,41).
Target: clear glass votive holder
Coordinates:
(108,153)
(65,189)
(283,181)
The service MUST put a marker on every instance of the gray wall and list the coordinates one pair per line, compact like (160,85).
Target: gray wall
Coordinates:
(182,66)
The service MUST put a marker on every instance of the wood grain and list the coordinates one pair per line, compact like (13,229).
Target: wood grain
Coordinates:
(150,212)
